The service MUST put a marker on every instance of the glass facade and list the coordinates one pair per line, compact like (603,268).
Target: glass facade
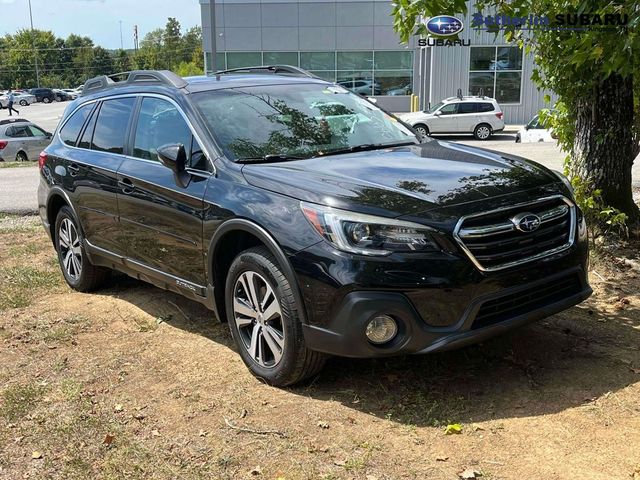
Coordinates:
(365,72)
(496,72)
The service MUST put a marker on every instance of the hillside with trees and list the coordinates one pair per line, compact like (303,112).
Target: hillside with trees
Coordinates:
(71,61)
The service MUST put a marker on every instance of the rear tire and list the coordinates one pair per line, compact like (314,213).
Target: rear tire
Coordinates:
(23,103)
(46,100)
(21,157)
(264,319)
(76,268)
(482,131)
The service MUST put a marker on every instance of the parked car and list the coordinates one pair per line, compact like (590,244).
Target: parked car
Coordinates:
(535,131)
(480,116)
(45,95)
(21,140)
(23,99)
(405,90)
(71,92)
(61,95)
(309,219)
(362,86)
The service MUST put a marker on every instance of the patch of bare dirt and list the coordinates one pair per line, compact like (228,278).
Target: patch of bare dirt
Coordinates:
(136,382)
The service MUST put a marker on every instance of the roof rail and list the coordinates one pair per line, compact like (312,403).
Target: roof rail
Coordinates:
(270,69)
(103,82)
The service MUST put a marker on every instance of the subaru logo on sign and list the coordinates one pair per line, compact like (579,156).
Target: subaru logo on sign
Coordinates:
(526,222)
(444,25)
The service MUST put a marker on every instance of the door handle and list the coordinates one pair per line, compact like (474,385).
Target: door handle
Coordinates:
(74,169)
(126,185)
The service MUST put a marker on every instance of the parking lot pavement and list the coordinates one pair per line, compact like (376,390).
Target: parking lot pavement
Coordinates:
(19,190)
(45,115)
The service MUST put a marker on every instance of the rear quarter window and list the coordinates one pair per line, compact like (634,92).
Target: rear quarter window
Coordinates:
(71,129)
(485,107)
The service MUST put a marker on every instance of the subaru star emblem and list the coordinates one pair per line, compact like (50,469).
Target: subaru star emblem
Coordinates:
(526,222)
(444,25)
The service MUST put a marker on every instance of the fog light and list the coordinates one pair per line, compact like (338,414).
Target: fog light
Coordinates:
(381,329)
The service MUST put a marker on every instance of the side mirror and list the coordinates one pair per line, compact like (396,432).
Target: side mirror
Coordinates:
(437,114)
(174,157)
(48,135)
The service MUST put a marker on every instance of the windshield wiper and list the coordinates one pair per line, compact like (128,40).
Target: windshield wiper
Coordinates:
(272,157)
(365,147)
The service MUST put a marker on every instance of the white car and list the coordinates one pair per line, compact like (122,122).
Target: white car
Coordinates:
(22,99)
(479,116)
(71,92)
(534,131)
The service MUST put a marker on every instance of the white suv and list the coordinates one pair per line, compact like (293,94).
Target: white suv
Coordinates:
(480,116)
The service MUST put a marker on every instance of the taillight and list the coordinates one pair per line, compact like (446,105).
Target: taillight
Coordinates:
(3,143)
(499,115)
(42,159)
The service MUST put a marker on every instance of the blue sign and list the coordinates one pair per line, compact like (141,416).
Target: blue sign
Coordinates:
(444,26)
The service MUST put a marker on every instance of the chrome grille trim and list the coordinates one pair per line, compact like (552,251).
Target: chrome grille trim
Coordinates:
(549,215)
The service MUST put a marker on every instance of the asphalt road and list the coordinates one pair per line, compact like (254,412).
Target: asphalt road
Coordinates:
(18,186)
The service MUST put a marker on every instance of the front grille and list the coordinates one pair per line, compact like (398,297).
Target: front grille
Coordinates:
(509,306)
(493,241)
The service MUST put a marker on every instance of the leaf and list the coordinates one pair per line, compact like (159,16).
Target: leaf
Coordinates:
(469,474)
(442,458)
(453,428)
(108,439)
(118,407)
(324,425)
(36,455)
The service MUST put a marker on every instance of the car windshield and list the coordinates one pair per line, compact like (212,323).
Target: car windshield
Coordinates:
(302,120)
(435,107)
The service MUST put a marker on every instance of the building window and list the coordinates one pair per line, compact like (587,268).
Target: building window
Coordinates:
(280,58)
(496,72)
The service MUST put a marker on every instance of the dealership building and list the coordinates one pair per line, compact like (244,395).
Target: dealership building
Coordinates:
(353,43)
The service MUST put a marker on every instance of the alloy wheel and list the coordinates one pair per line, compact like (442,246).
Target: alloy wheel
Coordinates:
(483,133)
(422,131)
(258,316)
(70,249)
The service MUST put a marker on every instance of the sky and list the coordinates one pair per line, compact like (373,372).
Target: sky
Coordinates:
(98,19)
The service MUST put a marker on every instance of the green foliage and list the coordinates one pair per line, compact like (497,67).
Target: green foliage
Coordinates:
(70,62)
(610,220)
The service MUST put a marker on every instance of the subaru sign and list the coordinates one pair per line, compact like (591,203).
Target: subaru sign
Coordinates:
(444,25)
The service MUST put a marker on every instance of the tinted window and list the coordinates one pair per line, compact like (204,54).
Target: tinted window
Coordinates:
(449,109)
(467,107)
(20,131)
(85,140)
(159,123)
(485,107)
(111,125)
(71,129)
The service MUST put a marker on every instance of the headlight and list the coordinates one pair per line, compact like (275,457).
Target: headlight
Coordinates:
(367,234)
(564,180)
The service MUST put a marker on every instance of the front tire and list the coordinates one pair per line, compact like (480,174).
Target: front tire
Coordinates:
(78,271)
(23,103)
(482,131)
(423,130)
(264,319)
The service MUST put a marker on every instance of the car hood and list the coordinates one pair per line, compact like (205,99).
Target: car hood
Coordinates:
(401,180)
(408,117)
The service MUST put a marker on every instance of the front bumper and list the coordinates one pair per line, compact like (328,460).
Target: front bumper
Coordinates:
(440,301)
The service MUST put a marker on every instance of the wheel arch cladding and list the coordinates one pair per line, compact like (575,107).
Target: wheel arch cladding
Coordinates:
(54,204)
(233,237)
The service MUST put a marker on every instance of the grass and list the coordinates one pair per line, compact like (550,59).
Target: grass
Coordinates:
(19,285)
(18,400)
(17,164)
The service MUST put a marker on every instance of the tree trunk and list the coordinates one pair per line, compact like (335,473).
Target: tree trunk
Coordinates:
(604,146)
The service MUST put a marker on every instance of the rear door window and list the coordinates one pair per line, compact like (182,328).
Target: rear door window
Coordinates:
(71,129)
(111,126)
(468,107)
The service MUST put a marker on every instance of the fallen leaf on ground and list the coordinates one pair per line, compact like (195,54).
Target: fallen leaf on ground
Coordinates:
(155,433)
(118,407)
(442,458)
(257,470)
(469,474)
(453,428)
(108,439)
(36,455)
(323,424)
(340,463)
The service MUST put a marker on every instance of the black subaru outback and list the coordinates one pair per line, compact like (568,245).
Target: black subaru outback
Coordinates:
(311,220)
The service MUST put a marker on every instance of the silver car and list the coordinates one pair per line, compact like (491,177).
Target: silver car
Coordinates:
(22,99)
(21,140)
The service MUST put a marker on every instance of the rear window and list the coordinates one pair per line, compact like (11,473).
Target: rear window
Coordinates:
(111,125)
(485,107)
(71,129)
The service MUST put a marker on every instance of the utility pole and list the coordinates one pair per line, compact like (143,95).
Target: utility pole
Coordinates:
(121,42)
(212,27)
(135,37)
(33,43)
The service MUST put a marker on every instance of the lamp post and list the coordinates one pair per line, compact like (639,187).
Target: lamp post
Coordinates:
(33,43)
(212,26)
